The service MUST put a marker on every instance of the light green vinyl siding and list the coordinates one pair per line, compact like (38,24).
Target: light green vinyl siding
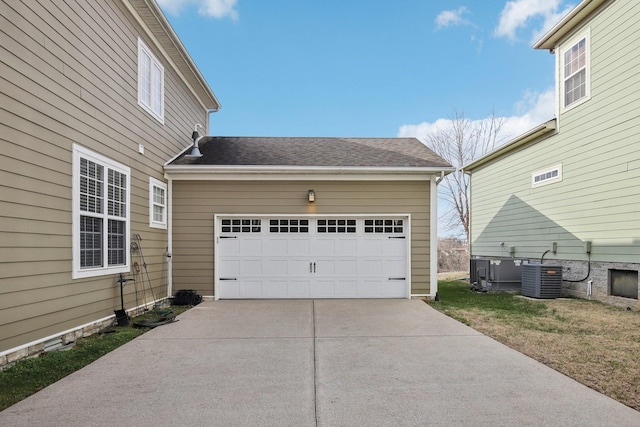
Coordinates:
(598,144)
(68,74)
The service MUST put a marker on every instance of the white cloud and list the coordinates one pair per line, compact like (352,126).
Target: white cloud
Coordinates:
(214,8)
(532,110)
(451,18)
(518,14)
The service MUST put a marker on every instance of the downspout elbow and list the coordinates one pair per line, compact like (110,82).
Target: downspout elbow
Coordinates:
(439,180)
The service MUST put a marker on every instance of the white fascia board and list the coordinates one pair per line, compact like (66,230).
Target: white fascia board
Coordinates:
(279,173)
(538,132)
(568,23)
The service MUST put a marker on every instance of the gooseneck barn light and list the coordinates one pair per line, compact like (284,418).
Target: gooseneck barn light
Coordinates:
(195,151)
(312,196)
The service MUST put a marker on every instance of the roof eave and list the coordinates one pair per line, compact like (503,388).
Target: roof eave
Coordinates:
(551,39)
(186,171)
(530,136)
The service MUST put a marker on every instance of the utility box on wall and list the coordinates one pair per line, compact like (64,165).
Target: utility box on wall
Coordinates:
(541,280)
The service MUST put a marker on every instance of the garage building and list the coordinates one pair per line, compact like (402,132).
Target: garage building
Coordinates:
(255,218)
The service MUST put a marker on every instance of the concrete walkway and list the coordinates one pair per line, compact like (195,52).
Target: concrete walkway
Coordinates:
(323,362)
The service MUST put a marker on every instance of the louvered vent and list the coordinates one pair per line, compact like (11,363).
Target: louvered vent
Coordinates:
(541,280)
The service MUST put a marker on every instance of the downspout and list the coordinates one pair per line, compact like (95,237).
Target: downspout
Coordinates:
(169,237)
(433,268)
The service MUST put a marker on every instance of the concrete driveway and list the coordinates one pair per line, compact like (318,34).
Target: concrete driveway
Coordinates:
(322,362)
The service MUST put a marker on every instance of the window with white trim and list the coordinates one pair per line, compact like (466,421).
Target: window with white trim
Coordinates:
(101,214)
(150,82)
(157,204)
(575,71)
(546,176)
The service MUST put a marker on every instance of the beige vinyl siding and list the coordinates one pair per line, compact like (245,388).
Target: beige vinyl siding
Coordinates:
(598,145)
(196,202)
(68,75)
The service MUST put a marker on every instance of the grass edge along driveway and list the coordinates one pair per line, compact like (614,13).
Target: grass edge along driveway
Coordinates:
(596,344)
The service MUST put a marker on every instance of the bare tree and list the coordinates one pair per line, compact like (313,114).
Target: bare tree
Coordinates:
(461,142)
(453,254)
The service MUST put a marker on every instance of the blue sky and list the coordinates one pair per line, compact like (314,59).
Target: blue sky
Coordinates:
(375,68)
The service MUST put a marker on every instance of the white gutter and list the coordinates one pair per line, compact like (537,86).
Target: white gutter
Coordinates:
(535,133)
(563,28)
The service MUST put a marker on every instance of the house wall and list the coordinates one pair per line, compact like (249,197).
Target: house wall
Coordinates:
(68,75)
(598,145)
(196,202)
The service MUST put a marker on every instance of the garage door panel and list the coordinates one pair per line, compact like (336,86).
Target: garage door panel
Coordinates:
(324,246)
(395,268)
(251,247)
(229,289)
(346,288)
(393,246)
(346,247)
(299,267)
(276,267)
(393,288)
(346,267)
(369,247)
(299,247)
(371,267)
(251,267)
(277,247)
(229,267)
(369,288)
(323,289)
(299,289)
(251,288)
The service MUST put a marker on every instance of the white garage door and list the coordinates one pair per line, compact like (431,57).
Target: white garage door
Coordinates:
(312,257)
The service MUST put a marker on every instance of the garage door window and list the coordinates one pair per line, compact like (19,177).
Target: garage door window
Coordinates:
(336,226)
(387,226)
(241,225)
(289,226)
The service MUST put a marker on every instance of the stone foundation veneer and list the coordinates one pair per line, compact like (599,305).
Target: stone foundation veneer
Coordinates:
(35,350)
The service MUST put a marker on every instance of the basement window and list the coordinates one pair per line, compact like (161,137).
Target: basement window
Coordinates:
(546,176)
(623,283)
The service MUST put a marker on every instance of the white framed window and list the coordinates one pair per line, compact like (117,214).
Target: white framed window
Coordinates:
(546,176)
(150,82)
(101,214)
(576,79)
(157,204)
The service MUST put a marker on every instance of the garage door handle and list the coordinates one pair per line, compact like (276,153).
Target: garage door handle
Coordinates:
(228,278)
(396,237)
(396,278)
(228,237)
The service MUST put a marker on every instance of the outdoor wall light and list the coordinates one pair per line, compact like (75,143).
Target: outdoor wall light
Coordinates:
(312,196)
(195,150)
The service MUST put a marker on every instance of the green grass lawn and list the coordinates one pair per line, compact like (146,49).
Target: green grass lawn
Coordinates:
(31,375)
(456,297)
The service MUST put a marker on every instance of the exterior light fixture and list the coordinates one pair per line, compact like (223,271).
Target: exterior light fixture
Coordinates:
(195,151)
(312,196)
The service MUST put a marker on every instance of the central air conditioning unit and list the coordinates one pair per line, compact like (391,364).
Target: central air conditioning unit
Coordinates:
(541,280)
(487,274)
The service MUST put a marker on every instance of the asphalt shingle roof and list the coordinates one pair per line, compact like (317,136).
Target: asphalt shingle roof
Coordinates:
(318,152)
